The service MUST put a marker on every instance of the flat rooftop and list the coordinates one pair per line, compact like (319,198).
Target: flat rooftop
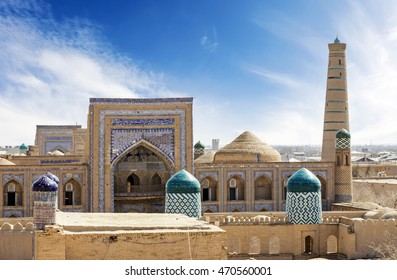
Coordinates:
(378,181)
(94,222)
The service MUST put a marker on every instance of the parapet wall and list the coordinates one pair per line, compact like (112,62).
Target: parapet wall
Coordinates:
(54,243)
(16,240)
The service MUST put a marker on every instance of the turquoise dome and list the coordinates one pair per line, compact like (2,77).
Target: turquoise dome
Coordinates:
(23,147)
(343,133)
(336,41)
(182,182)
(303,180)
(198,145)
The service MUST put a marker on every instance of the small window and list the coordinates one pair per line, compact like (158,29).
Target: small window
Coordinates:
(233,189)
(69,187)
(11,199)
(340,61)
(206,190)
(11,188)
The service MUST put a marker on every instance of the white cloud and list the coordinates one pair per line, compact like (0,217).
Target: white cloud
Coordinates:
(49,70)
(210,42)
(274,77)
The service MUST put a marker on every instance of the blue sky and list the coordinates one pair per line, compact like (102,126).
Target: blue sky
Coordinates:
(249,65)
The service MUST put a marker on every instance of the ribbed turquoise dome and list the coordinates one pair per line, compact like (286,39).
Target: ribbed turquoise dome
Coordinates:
(182,182)
(343,133)
(303,180)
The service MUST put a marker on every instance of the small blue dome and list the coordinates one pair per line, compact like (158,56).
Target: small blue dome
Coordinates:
(182,182)
(23,147)
(303,180)
(343,133)
(45,184)
(336,41)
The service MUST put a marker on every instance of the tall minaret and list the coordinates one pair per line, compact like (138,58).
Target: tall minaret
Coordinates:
(336,115)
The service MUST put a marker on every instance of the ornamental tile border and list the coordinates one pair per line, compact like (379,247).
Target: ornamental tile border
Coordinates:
(129,122)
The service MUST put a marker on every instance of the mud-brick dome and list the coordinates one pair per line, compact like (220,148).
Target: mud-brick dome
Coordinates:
(303,181)
(182,182)
(247,148)
(46,183)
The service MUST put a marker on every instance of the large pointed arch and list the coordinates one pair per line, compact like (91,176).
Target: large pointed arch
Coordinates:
(138,177)
(166,159)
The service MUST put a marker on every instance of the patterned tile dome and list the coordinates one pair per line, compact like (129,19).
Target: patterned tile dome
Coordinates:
(303,202)
(182,182)
(183,195)
(303,181)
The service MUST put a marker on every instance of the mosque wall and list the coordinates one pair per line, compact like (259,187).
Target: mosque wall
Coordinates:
(249,177)
(68,139)
(54,243)
(16,198)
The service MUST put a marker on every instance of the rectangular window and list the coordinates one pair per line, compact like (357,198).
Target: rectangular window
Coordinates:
(232,193)
(68,198)
(206,194)
(11,199)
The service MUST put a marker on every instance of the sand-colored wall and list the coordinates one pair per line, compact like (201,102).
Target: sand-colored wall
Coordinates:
(54,243)
(16,240)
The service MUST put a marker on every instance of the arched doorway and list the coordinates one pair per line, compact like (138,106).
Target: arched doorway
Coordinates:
(308,245)
(140,175)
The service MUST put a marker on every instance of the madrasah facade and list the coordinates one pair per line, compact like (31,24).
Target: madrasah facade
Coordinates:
(121,162)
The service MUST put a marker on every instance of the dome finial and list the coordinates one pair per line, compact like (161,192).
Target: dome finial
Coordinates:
(336,41)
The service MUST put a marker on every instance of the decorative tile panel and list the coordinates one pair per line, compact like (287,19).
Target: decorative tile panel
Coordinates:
(183,203)
(135,122)
(230,174)
(17,177)
(268,174)
(212,174)
(259,206)
(123,139)
(304,207)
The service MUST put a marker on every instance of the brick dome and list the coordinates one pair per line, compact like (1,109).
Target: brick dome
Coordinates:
(247,148)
